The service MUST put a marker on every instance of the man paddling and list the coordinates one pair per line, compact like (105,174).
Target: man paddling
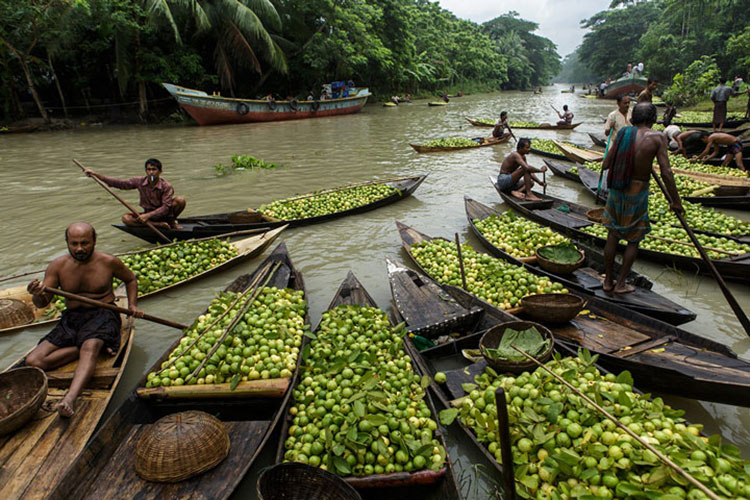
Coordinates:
(160,206)
(83,331)
(516,176)
(629,162)
(498,132)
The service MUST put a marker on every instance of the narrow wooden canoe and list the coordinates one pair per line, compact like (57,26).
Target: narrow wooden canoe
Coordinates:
(247,247)
(213,109)
(434,149)
(579,155)
(570,224)
(598,139)
(563,169)
(106,469)
(660,356)
(588,279)
(35,458)
(547,154)
(728,124)
(541,126)
(424,484)
(590,181)
(219,224)
(437,103)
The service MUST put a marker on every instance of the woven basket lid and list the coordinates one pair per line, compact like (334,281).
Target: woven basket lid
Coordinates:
(14,312)
(180,446)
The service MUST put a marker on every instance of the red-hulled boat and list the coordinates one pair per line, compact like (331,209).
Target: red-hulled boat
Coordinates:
(626,85)
(214,109)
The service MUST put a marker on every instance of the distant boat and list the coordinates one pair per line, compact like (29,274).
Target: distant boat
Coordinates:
(626,85)
(214,109)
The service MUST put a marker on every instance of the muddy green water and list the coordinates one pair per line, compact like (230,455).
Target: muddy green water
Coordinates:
(43,191)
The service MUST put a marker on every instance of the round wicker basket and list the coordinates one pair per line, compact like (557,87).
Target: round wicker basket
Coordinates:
(180,446)
(595,214)
(559,267)
(491,339)
(552,307)
(22,393)
(295,481)
(14,312)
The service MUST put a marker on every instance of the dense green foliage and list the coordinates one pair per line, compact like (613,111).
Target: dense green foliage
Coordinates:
(690,41)
(75,55)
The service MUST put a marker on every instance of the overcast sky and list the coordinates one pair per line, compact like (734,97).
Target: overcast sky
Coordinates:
(559,20)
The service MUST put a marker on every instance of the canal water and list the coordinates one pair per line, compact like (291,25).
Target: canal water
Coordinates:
(43,192)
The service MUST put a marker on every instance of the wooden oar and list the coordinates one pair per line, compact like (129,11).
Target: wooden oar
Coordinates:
(744,321)
(111,307)
(461,262)
(625,428)
(127,205)
(21,275)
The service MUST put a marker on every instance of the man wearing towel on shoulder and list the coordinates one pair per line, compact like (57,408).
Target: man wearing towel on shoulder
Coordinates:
(629,165)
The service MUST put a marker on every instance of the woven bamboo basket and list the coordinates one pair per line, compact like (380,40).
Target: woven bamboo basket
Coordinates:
(22,392)
(559,267)
(296,481)
(180,446)
(491,339)
(14,312)
(552,307)
(595,214)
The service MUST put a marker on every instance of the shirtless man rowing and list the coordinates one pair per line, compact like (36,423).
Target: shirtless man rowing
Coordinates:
(629,163)
(83,330)
(514,168)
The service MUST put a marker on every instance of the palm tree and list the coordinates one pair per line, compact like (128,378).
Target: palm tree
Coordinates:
(237,28)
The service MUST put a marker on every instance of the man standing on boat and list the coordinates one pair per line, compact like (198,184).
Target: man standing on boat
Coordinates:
(160,206)
(516,175)
(647,94)
(629,163)
(620,117)
(720,96)
(83,331)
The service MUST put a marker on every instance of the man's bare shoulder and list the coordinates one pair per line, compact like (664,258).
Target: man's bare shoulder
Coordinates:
(58,263)
(107,259)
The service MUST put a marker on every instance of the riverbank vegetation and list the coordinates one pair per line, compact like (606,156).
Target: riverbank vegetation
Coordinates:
(685,44)
(61,58)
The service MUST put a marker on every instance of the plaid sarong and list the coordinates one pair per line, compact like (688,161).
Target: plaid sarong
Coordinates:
(627,215)
(621,169)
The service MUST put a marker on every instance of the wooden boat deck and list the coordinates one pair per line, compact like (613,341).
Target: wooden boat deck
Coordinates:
(658,355)
(34,459)
(579,155)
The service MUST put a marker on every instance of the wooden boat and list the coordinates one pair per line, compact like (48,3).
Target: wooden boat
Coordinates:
(587,280)
(219,224)
(564,169)
(547,154)
(437,103)
(424,484)
(247,247)
(629,84)
(590,181)
(434,149)
(541,126)
(659,356)
(35,458)
(598,139)
(20,129)
(570,224)
(213,109)
(579,155)
(106,468)
(730,124)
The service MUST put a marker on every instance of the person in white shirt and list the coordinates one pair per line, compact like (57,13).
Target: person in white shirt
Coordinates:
(620,117)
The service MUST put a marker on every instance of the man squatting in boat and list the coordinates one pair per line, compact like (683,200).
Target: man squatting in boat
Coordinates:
(626,212)
(83,330)
(514,168)
(161,207)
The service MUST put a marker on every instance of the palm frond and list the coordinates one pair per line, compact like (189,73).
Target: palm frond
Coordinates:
(235,44)
(250,25)
(266,11)
(159,9)
(123,52)
(224,68)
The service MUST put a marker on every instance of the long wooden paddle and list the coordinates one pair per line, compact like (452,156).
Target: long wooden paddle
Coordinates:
(744,321)
(622,426)
(111,307)
(127,205)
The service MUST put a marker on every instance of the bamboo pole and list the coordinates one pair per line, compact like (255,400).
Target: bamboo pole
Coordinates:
(269,388)
(127,205)
(461,262)
(503,433)
(625,428)
(111,307)
(741,317)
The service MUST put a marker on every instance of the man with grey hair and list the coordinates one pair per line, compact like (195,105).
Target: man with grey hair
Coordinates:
(83,331)
(629,163)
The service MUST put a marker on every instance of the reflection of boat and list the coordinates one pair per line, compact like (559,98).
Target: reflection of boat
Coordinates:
(626,85)
(213,109)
